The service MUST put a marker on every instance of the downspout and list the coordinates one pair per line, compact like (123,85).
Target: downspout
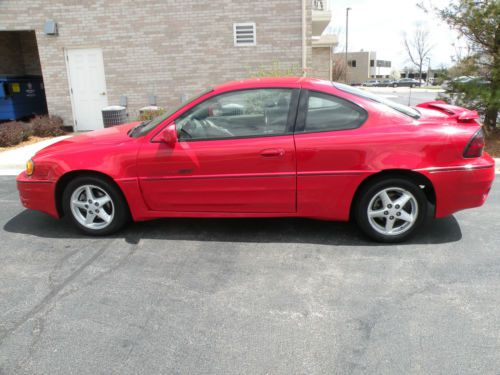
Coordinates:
(304,36)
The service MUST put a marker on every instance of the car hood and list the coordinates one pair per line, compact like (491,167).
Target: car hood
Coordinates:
(104,137)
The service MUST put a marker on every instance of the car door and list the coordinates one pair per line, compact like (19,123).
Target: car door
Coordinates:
(327,162)
(235,154)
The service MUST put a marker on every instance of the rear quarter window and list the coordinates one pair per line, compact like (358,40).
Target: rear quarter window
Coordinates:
(326,112)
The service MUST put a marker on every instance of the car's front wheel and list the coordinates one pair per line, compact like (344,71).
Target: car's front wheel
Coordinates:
(95,205)
(391,210)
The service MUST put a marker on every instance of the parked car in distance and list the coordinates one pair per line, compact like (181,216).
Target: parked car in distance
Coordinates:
(463,82)
(371,83)
(273,147)
(406,82)
(385,83)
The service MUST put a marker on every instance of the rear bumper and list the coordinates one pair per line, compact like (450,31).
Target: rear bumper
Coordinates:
(37,194)
(459,188)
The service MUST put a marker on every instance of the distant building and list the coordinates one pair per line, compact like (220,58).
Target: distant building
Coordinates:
(364,65)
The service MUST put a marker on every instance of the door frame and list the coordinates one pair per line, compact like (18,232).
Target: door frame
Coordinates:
(68,75)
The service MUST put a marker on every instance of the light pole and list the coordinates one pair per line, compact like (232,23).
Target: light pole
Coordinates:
(428,69)
(346,42)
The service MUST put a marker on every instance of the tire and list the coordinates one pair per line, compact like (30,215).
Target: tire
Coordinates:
(394,85)
(106,205)
(374,213)
(412,85)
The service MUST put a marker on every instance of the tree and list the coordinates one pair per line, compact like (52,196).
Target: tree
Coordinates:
(478,23)
(418,48)
(338,68)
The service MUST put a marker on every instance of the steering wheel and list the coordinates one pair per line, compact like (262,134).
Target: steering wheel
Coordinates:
(207,124)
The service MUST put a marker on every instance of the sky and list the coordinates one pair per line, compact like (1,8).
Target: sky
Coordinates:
(379,25)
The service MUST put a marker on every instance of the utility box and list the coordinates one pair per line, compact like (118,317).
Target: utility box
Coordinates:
(114,115)
(21,97)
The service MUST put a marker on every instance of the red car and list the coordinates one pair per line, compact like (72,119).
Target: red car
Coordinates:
(268,148)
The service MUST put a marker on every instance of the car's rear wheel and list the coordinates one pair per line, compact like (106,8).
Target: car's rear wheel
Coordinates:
(391,210)
(95,206)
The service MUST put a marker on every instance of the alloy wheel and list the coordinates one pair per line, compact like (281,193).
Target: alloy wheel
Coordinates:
(392,211)
(92,207)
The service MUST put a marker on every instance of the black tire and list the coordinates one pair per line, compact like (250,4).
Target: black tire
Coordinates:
(369,192)
(412,85)
(394,85)
(121,214)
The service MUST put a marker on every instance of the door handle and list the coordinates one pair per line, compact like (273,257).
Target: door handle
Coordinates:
(272,152)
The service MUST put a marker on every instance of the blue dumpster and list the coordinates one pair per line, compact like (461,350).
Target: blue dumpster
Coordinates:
(21,96)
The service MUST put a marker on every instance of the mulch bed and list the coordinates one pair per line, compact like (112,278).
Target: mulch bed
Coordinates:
(493,144)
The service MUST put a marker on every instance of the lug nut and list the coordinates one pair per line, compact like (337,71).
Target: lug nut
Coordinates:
(97,203)
(96,211)
(90,201)
(386,212)
(391,217)
(398,214)
(389,206)
(397,206)
(86,206)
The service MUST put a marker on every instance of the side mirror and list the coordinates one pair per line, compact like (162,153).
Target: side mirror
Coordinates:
(169,135)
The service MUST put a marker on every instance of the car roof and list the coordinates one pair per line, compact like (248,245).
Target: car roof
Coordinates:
(267,81)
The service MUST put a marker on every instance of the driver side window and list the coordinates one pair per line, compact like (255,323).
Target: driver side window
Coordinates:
(245,113)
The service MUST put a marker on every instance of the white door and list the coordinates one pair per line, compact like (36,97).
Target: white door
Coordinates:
(87,87)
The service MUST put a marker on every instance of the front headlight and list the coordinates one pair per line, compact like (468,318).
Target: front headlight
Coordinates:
(30,167)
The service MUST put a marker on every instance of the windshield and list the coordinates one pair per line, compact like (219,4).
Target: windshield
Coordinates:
(146,126)
(379,99)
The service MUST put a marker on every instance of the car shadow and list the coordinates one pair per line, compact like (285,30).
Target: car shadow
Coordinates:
(279,230)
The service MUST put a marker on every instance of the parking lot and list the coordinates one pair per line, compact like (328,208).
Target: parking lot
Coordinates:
(406,95)
(273,296)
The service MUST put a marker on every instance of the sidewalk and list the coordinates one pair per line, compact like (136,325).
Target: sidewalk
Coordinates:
(13,162)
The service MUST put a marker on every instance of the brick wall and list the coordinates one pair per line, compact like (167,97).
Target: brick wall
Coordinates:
(166,48)
(320,65)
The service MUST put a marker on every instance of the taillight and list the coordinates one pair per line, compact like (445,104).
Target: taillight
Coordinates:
(474,148)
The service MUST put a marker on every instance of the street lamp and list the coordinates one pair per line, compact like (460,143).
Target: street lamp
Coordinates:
(346,41)
(428,69)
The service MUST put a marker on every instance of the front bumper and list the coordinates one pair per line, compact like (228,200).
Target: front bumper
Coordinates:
(37,194)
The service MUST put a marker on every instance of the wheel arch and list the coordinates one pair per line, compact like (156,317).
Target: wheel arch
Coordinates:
(66,178)
(416,177)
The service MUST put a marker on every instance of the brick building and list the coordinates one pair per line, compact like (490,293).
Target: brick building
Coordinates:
(96,53)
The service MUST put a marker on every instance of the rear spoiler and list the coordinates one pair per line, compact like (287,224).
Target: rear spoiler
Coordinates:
(458,113)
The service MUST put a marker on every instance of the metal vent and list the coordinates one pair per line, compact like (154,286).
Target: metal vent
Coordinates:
(244,34)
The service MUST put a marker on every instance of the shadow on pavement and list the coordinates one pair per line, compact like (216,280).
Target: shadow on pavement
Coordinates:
(280,230)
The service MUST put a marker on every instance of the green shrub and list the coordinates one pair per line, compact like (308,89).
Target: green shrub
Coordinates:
(12,133)
(47,126)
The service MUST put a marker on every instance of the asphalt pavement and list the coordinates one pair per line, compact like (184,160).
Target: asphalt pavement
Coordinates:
(270,296)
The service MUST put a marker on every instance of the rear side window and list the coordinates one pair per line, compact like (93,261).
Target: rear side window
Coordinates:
(328,113)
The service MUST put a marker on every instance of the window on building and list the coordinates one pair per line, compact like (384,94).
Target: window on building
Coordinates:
(244,34)
(328,113)
(372,63)
(245,113)
(351,63)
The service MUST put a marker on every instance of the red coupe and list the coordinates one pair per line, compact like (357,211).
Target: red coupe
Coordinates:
(268,148)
